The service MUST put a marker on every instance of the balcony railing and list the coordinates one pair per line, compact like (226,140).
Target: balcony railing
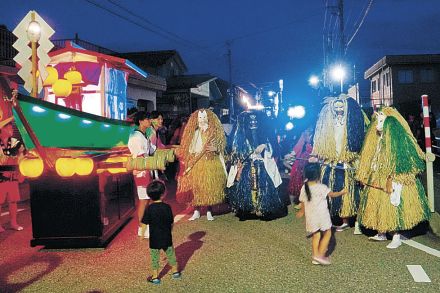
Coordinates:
(61,43)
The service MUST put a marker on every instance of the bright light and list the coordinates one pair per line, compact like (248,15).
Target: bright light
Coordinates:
(296,112)
(313,81)
(86,121)
(34,31)
(245,100)
(271,93)
(64,116)
(106,125)
(338,73)
(289,126)
(281,83)
(38,109)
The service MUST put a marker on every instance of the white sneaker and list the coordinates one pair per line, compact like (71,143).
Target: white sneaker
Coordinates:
(357,230)
(378,237)
(209,216)
(396,242)
(343,227)
(195,216)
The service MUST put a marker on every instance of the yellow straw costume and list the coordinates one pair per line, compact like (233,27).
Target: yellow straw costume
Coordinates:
(205,175)
(337,142)
(387,157)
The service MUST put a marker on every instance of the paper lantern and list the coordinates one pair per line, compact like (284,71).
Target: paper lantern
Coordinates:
(73,76)
(62,88)
(65,167)
(52,75)
(83,166)
(31,167)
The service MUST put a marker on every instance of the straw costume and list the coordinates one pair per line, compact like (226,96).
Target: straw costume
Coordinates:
(393,198)
(204,176)
(338,139)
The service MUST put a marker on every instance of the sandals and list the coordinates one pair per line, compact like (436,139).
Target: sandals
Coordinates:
(155,281)
(174,276)
(17,228)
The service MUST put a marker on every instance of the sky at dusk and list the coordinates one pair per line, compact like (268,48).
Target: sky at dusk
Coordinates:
(271,40)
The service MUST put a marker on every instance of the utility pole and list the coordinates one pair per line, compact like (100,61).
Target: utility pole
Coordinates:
(231,93)
(341,29)
(334,40)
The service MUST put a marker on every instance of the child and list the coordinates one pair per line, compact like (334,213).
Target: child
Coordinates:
(160,218)
(313,198)
(11,150)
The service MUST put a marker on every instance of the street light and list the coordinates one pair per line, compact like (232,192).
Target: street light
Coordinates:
(338,74)
(34,33)
(296,112)
(314,81)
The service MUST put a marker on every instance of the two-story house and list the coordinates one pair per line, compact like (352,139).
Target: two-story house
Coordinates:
(401,80)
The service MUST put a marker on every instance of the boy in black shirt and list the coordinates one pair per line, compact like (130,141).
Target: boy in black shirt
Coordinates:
(160,218)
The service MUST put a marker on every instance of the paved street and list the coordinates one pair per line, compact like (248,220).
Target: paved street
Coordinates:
(221,256)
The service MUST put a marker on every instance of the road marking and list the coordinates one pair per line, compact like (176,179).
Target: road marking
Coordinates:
(418,273)
(421,247)
(7,213)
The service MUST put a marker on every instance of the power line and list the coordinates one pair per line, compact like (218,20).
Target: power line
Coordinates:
(360,24)
(136,23)
(154,25)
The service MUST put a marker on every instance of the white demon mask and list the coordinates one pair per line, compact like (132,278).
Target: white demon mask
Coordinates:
(339,110)
(202,118)
(380,120)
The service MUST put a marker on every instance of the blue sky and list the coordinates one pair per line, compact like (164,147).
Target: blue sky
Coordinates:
(272,40)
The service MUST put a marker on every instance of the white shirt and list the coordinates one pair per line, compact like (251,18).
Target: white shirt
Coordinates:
(139,145)
(316,210)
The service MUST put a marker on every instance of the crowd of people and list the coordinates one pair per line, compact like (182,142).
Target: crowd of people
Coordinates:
(345,170)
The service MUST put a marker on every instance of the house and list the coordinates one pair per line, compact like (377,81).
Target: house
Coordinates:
(187,93)
(165,63)
(7,52)
(401,80)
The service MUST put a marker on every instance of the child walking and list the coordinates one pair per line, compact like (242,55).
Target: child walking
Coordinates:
(160,218)
(313,198)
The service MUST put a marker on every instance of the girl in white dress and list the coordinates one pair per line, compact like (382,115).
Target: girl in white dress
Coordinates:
(313,198)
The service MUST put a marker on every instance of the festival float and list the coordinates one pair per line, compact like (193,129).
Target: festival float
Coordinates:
(75,131)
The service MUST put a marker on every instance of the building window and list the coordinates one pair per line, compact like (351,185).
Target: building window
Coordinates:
(405,76)
(378,83)
(373,86)
(387,78)
(427,75)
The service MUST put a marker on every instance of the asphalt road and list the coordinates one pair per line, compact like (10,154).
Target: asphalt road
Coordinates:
(225,255)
